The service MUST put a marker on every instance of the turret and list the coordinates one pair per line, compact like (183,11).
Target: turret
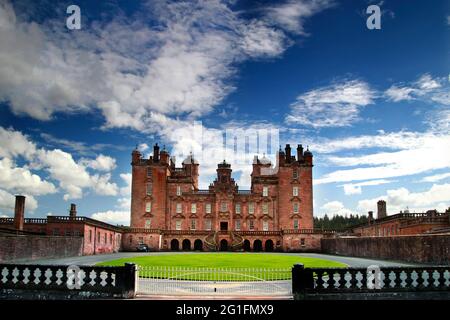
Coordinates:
(73,210)
(136,156)
(164,156)
(308,156)
(223,172)
(156,153)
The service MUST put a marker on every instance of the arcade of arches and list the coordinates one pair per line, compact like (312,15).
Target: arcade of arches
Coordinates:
(198,245)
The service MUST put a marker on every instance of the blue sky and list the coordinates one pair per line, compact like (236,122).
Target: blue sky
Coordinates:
(373,105)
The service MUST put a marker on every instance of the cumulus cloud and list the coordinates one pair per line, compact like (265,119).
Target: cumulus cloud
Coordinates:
(436,197)
(8,201)
(170,58)
(113,217)
(101,163)
(72,176)
(22,180)
(337,105)
(333,208)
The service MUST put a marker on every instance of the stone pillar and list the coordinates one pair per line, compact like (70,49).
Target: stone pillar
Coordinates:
(19,212)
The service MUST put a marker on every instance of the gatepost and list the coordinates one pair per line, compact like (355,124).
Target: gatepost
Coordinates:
(302,279)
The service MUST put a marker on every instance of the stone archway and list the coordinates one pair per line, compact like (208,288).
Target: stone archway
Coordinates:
(174,245)
(246,245)
(269,245)
(257,245)
(223,245)
(198,245)
(186,245)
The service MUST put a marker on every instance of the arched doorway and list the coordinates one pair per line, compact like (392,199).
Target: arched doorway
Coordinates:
(269,245)
(223,245)
(257,245)
(247,245)
(174,245)
(186,245)
(198,245)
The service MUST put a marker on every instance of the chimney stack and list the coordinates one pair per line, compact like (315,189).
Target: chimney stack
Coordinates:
(299,153)
(381,206)
(73,210)
(19,212)
(156,153)
(370,218)
(288,153)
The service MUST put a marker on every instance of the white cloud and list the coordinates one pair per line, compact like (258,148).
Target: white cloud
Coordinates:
(127,67)
(436,177)
(292,14)
(22,180)
(425,88)
(72,176)
(101,163)
(336,105)
(356,188)
(383,165)
(113,217)
(8,200)
(333,208)
(14,144)
(437,197)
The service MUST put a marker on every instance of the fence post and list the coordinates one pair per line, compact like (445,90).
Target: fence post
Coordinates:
(129,281)
(302,279)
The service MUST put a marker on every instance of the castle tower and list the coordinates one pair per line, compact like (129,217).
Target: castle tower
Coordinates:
(149,189)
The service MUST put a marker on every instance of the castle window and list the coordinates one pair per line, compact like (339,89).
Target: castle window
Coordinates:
(193,224)
(178,207)
(178,225)
(223,206)
(98,237)
(295,191)
(106,238)
(90,236)
(208,208)
(295,207)
(148,223)
(149,188)
(302,242)
(56,232)
(77,233)
(141,240)
(149,172)
(265,208)
(130,239)
(178,190)
(193,208)
(238,225)
(148,207)
(295,224)
(265,191)
(68,233)
(265,225)
(295,174)
(238,208)
(208,224)
(251,224)
(251,208)
(110,238)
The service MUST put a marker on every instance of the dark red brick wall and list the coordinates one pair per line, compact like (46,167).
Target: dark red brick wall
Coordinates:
(39,247)
(433,249)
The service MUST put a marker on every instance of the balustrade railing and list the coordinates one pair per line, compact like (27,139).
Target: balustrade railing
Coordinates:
(371,279)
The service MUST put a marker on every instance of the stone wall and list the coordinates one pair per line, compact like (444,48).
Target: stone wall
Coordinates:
(428,249)
(30,247)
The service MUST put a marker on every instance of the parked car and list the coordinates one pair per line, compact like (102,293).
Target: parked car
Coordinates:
(143,248)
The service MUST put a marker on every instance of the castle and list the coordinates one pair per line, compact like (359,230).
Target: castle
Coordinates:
(275,214)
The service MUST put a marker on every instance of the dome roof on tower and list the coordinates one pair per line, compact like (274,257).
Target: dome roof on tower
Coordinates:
(190,160)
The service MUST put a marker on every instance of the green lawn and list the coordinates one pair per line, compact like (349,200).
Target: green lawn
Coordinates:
(234,266)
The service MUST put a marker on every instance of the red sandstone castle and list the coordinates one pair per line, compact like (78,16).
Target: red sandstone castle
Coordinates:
(275,214)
